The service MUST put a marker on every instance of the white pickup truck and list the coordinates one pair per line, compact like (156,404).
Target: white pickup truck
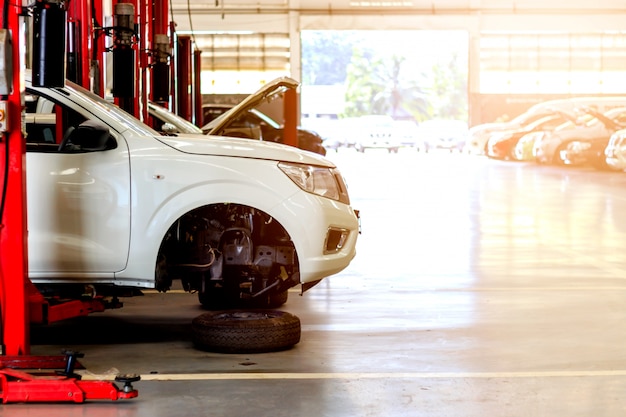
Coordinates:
(114,206)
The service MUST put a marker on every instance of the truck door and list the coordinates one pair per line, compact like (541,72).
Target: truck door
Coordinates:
(78,198)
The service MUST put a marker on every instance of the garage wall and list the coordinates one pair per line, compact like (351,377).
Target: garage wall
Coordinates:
(476,16)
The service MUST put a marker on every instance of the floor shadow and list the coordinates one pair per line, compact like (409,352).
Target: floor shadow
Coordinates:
(111,330)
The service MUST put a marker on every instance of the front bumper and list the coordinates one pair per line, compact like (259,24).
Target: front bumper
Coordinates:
(324,232)
(616,163)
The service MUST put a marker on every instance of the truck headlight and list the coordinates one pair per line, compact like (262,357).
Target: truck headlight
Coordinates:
(325,182)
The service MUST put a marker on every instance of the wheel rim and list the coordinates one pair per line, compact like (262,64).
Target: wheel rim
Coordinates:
(246,315)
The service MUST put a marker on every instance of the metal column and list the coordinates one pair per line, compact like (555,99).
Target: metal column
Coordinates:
(13,231)
(290,113)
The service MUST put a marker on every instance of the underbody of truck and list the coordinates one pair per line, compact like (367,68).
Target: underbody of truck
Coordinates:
(231,255)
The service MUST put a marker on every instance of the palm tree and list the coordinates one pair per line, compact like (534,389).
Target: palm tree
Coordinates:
(383,86)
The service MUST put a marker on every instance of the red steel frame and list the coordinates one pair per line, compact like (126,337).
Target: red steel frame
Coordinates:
(290,114)
(17,294)
(80,12)
(197,91)
(56,386)
(13,249)
(18,386)
(183,77)
(99,45)
(146,42)
(131,105)
(160,26)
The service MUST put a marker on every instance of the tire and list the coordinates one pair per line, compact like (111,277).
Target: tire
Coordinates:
(214,300)
(600,165)
(556,158)
(241,331)
(277,300)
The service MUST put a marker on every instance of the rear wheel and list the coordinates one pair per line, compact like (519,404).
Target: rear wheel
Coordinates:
(277,300)
(215,299)
(600,164)
(556,158)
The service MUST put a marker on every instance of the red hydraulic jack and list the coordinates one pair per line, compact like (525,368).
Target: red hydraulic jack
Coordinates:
(43,383)
(59,386)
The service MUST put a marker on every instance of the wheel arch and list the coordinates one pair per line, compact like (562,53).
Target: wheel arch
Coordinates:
(156,226)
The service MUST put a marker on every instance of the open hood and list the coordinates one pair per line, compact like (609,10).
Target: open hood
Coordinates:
(268,92)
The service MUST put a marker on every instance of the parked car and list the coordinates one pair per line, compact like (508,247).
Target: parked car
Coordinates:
(590,150)
(615,151)
(479,135)
(336,133)
(114,205)
(585,152)
(450,135)
(212,111)
(375,132)
(407,134)
(524,148)
(548,147)
(245,121)
(502,145)
(170,123)
(345,132)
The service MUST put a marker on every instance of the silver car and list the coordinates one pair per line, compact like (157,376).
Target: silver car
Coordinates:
(615,152)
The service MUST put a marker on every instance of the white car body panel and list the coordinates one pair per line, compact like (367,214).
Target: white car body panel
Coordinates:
(615,151)
(78,211)
(100,217)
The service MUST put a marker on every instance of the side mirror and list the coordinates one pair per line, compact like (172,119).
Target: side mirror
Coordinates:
(169,128)
(89,136)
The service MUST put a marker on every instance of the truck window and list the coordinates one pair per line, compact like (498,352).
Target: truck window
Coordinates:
(47,122)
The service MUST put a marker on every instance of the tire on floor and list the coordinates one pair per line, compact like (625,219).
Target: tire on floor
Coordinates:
(245,331)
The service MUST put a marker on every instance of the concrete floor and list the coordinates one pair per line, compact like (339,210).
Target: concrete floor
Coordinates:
(481,288)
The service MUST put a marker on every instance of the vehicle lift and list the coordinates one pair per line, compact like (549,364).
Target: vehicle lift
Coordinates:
(53,379)
(49,379)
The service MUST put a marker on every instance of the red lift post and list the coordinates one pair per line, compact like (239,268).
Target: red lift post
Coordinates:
(290,114)
(125,69)
(198,116)
(161,45)
(13,249)
(15,385)
(184,66)
(97,53)
(80,42)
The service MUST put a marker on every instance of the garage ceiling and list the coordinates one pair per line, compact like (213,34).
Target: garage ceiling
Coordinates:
(285,16)
(228,7)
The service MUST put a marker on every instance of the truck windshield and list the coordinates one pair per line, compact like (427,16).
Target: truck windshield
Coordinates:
(88,99)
